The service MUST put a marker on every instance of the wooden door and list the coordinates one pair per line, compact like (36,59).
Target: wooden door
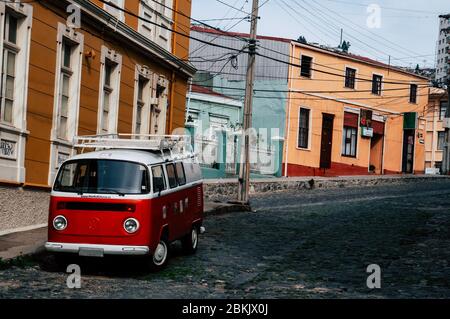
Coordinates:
(327,141)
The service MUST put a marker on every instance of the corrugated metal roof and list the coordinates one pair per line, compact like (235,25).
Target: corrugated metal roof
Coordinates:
(266,69)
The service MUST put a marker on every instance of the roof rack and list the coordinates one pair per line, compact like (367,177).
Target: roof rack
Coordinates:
(175,144)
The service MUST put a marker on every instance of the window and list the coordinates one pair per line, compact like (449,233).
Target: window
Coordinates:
(441,141)
(303,130)
(143,92)
(146,28)
(66,74)
(114,11)
(181,177)
(140,105)
(350,136)
(107,92)
(306,66)
(8,79)
(16,24)
(377,82)
(443,110)
(156,21)
(100,177)
(350,78)
(158,179)
(110,92)
(413,94)
(171,175)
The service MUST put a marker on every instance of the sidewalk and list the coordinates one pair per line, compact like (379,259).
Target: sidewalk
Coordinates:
(32,241)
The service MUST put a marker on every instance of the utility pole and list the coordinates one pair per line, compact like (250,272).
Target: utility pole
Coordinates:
(244,172)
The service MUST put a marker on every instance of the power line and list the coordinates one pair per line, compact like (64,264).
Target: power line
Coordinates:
(164,27)
(312,92)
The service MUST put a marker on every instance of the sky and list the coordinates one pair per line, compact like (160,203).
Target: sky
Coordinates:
(404,30)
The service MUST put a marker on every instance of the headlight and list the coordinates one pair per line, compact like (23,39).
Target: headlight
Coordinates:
(60,223)
(131,225)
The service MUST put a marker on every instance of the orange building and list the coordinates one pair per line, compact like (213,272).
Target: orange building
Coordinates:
(85,67)
(350,115)
(82,67)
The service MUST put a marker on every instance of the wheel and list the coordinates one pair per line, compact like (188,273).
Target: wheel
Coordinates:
(190,241)
(160,257)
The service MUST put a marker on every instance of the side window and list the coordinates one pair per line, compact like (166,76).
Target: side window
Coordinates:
(158,179)
(180,173)
(172,177)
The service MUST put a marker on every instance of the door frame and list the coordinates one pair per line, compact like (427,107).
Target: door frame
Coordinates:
(405,153)
(327,116)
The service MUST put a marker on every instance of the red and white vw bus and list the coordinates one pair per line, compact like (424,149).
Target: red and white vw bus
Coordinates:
(131,196)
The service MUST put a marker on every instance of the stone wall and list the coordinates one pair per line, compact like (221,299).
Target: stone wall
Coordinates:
(21,208)
(226,190)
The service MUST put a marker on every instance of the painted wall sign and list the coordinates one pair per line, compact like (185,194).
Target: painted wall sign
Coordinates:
(8,149)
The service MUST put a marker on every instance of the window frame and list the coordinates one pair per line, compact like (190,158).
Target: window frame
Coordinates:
(310,66)
(111,91)
(308,129)
(184,173)
(142,104)
(442,105)
(380,86)
(413,93)
(347,68)
(12,48)
(121,14)
(345,131)
(175,174)
(163,176)
(440,136)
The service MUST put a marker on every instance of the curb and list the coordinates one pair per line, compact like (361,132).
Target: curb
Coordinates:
(225,208)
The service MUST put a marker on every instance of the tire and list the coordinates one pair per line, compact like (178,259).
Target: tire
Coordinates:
(190,241)
(159,259)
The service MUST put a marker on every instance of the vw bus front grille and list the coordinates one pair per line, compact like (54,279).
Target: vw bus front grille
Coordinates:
(110,207)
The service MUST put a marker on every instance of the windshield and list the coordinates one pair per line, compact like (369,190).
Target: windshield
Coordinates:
(102,177)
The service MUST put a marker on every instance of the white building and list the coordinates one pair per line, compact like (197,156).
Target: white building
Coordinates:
(443,49)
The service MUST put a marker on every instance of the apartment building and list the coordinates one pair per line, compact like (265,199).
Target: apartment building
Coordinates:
(435,131)
(81,67)
(443,49)
(350,115)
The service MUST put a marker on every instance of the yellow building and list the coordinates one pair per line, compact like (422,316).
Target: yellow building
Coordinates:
(350,115)
(435,131)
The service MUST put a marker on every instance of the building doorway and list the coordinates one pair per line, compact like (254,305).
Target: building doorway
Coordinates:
(327,141)
(408,151)
(376,154)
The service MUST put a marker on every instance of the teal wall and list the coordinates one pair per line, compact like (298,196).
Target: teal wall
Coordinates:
(267,112)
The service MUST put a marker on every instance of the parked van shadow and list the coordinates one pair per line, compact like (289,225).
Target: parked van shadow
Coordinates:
(108,266)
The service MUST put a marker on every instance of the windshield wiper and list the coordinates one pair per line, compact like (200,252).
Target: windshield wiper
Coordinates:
(113,191)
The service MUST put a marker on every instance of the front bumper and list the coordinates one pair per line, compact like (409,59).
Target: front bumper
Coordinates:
(97,250)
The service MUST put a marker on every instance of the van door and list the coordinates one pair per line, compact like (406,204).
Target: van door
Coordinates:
(176,225)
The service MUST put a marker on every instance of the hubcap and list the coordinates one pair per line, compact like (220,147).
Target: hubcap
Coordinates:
(194,237)
(160,255)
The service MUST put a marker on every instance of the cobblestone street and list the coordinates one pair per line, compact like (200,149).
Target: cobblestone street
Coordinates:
(310,244)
